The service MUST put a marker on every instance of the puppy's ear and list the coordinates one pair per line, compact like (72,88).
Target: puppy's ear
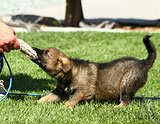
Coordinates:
(66,65)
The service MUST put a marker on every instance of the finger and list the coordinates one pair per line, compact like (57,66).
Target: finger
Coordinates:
(16,45)
(1,50)
(10,47)
(5,48)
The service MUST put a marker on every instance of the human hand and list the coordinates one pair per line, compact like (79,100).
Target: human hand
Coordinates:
(8,39)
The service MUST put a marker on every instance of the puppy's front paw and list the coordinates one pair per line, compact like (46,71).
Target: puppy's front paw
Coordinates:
(49,98)
(43,100)
(69,104)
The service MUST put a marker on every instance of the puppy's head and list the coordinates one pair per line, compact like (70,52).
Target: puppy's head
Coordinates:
(53,61)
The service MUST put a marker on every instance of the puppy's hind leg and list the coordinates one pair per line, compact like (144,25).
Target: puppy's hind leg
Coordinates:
(127,88)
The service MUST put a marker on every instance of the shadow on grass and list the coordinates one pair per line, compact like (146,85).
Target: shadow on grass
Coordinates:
(25,83)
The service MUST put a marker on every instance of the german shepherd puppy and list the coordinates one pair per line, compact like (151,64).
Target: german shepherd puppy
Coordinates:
(84,80)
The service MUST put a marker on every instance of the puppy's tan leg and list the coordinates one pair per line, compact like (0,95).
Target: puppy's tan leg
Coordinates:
(49,98)
(78,96)
(55,96)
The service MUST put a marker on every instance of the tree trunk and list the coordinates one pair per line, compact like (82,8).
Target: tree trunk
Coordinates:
(74,13)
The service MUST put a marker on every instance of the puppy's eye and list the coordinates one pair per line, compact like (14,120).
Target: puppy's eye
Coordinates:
(46,53)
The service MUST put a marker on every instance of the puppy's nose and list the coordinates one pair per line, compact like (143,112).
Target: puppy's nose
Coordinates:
(34,48)
(38,51)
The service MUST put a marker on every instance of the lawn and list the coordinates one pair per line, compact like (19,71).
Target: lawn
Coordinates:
(92,46)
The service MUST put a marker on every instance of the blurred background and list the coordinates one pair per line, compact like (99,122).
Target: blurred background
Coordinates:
(141,15)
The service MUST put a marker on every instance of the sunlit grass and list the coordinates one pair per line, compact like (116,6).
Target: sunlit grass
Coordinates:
(93,46)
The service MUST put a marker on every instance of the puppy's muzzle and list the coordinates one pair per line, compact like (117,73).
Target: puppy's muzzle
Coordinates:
(39,60)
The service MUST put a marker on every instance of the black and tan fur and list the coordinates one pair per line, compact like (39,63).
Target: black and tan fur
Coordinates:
(84,80)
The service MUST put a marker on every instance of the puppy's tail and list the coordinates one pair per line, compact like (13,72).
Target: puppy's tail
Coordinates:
(151,51)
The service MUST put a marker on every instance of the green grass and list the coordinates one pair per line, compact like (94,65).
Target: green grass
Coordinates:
(93,46)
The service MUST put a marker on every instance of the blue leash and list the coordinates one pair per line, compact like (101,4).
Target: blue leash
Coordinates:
(10,85)
(30,94)
(27,94)
(153,98)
